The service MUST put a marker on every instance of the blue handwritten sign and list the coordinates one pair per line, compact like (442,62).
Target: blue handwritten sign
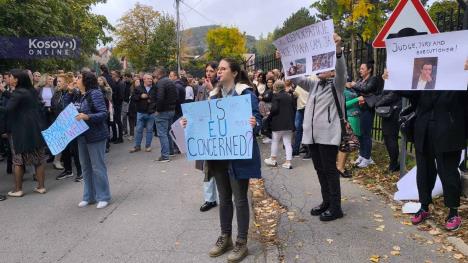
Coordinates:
(64,130)
(219,129)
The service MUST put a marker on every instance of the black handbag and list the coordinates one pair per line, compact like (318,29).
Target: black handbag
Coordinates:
(384,111)
(406,121)
(349,141)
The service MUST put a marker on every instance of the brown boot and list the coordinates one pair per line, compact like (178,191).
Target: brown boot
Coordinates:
(223,244)
(239,252)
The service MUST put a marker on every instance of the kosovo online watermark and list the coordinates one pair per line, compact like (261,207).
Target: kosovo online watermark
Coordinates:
(39,47)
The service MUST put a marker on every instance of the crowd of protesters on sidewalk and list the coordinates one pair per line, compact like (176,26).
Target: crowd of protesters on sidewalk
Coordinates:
(305,113)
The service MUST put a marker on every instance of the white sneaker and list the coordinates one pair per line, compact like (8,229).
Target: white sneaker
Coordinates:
(270,162)
(83,204)
(358,160)
(58,166)
(266,140)
(130,138)
(102,204)
(365,163)
(287,165)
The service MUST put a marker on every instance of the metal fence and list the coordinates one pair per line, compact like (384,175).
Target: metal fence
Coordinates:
(364,52)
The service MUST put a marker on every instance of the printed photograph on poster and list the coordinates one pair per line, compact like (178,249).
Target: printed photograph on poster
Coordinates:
(428,62)
(323,61)
(424,73)
(297,67)
(299,50)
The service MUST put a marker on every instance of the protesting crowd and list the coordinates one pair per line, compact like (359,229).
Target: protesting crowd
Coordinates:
(323,117)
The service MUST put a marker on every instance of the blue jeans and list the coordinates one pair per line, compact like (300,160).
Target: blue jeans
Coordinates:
(367,119)
(210,192)
(163,122)
(144,120)
(93,166)
(299,120)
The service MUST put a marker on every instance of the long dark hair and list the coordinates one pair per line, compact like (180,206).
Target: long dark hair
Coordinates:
(370,67)
(214,65)
(242,76)
(24,81)
(89,81)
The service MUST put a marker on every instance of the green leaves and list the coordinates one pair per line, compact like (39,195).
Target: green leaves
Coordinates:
(54,18)
(225,42)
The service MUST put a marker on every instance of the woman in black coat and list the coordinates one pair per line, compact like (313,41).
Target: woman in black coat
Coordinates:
(282,124)
(440,133)
(26,123)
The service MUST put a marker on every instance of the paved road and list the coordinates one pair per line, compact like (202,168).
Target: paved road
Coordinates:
(153,217)
(351,239)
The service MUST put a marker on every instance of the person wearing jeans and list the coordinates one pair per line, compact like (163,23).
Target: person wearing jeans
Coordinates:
(166,100)
(367,89)
(145,121)
(322,129)
(210,191)
(301,96)
(92,143)
(144,98)
(163,121)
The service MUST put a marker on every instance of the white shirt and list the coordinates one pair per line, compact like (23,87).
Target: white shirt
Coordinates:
(421,84)
(47,96)
(189,93)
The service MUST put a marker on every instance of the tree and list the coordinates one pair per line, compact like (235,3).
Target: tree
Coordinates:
(162,47)
(68,19)
(225,42)
(264,45)
(361,18)
(443,11)
(297,20)
(135,32)
(114,63)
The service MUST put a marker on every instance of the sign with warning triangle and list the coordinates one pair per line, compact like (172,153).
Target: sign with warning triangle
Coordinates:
(409,18)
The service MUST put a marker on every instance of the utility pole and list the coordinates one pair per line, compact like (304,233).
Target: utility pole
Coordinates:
(178,37)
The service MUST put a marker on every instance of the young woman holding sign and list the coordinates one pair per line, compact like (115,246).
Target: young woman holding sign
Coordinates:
(232,176)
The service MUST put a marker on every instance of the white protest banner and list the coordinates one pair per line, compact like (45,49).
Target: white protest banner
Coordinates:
(428,62)
(308,51)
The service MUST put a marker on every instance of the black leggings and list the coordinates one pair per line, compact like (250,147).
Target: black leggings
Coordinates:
(227,187)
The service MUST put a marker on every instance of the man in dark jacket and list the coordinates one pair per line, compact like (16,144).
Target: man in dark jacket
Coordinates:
(166,100)
(118,89)
(126,101)
(144,97)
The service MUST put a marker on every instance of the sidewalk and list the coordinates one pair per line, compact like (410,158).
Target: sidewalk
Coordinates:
(368,229)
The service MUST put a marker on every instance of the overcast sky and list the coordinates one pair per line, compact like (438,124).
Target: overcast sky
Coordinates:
(252,16)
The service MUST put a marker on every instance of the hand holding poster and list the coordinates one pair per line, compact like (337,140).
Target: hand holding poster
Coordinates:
(308,51)
(64,130)
(428,62)
(219,129)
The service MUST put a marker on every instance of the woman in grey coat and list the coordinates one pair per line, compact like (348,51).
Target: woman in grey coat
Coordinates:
(322,130)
